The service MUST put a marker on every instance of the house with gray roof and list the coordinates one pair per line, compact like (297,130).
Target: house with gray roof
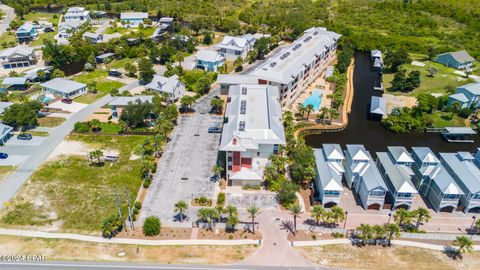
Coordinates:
(363,177)
(209,60)
(433,181)
(329,174)
(252,133)
(378,107)
(466,95)
(395,167)
(13,83)
(119,103)
(67,28)
(457,60)
(5,133)
(64,88)
(93,38)
(19,56)
(377,60)
(466,174)
(233,47)
(172,86)
(77,14)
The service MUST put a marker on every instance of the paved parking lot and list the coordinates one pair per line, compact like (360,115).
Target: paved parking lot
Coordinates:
(184,171)
(36,140)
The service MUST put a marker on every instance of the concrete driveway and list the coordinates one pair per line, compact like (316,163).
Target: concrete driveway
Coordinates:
(14,141)
(13,160)
(184,171)
(73,107)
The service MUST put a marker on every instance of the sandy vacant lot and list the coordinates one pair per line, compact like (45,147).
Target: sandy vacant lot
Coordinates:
(395,257)
(399,101)
(77,250)
(70,148)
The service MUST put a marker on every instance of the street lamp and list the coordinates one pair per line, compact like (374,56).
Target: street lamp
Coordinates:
(389,217)
(473,223)
(346,216)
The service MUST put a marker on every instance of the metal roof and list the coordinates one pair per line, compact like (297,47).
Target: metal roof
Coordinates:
(63,85)
(5,129)
(14,81)
(473,88)
(20,50)
(460,97)
(329,173)
(365,166)
(398,175)
(105,55)
(460,56)
(378,105)
(167,85)
(236,79)
(124,101)
(4,106)
(133,15)
(460,130)
(400,154)
(464,169)
(209,56)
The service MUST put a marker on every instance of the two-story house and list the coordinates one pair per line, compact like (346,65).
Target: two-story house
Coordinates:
(19,56)
(395,167)
(26,33)
(172,86)
(209,60)
(466,95)
(433,181)
(363,177)
(252,133)
(234,47)
(77,13)
(329,174)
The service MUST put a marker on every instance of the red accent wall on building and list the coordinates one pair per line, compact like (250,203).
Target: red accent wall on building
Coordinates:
(260,81)
(247,163)
(236,162)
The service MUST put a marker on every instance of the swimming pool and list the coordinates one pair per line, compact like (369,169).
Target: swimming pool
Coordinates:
(315,99)
(46,99)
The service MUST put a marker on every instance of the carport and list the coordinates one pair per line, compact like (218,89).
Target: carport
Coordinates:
(14,83)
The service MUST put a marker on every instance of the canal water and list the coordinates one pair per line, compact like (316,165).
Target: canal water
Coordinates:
(376,138)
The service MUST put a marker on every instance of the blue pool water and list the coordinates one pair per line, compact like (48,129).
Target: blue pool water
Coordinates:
(315,99)
(46,99)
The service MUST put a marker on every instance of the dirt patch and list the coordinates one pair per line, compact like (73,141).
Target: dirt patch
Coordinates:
(70,148)
(165,234)
(398,102)
(309,236)
(395,257)
(306,195)
(220,234)
(85,251)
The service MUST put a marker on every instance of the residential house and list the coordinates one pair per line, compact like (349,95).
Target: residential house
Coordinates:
(101,58)
(166,20)
(329,173)
(377,60)
(64,88)
(433,181)
(5,133)
(14,83)
(172,86)
(378,108)
(119,103)
(209,60)
(66,29)
(77,14)
(32,75)
(19,56)
(234,47)
(457,60)
(26,33)
(4,106)
(93,38)
(363,177)
(133,19)
(466,95)
(467,176)
(395,167)
(252,133)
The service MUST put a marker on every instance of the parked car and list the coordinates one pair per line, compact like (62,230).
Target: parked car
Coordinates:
(114,73)
(214,130)
(67,100)
(25,136)
(3,155)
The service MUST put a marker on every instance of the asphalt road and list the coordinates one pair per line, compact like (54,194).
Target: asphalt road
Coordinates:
(9,16)
(128,266)
(10,186)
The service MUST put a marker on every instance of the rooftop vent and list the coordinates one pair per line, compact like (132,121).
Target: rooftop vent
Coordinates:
(307,39)
(315,33)
(244,90)
(241,126)
(297,46)
(243,107)
(285,55)
(273,64)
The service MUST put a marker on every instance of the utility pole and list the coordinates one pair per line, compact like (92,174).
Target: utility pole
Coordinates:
(130,216)
(117,202)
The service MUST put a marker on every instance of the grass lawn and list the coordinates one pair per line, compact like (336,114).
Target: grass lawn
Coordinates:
(111,128)
(8,38)
(444,79)
(120,63)
(123,31)
(71,194)
(5,171)
(442,119)
(89,97)
(43,36)
(395,257)
(104,86)
(50,121)
(39,16)
(38,133)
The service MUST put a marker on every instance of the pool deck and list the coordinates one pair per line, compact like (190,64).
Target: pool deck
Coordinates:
(319,83)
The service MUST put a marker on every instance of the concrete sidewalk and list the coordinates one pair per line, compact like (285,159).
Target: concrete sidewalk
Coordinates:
(127,241)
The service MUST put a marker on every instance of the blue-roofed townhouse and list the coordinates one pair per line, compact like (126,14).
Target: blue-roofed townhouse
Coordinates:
(26,33)
(466,95)
(133,19)
(363,177)
(467,176)
(64,88)
(457,60)
(395,166)
(209,60)
(434,182)
(329,174)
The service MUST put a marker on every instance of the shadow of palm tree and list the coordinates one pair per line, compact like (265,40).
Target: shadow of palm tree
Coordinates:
(287,225)
(452,252)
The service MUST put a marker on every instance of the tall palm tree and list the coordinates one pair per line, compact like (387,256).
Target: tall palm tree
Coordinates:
(179,57)
(338,215)
(208,215)
(295,210)
(301,109)
(253,211)
(232,215)
(378,232)
(422,215)
(464,244)
(392,230)
(180,208)
(402,216)
(323,113)
(217,170)
(365,232)
(333,114)
(309,109)
(317,213)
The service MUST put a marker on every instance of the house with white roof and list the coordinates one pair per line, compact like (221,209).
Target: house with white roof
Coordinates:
(209,60)
(93,38)
(133,19)
(252,133)
(329,174)
(26,33)
(66,29)
(466,174)
(120,102)
(363,177)
(172,86)
(5,133)
(19,56)
(377,60)
(64,88)
(434,182)
(234,47)
(77,13)
(378,107)
(466,95)
(395,167)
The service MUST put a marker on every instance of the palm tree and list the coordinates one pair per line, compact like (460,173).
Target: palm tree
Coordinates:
(392,230)
(208,215)
(422,215)
(295,210)
(366,232)
(180,208)
(323,113)
(217,105)
(318,213)
(179,57)
(301,109)
(378,232)
(464,244)
(217,170)
(232,215)
(158,139)
(94,124)
(402,217)
(309,109)
(338,215)
(253,211)
(333,114)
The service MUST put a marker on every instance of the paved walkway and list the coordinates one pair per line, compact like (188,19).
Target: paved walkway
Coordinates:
(275,250)
(10,186)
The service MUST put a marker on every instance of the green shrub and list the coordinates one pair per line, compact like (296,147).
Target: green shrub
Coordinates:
(230,237)
(111,226)
(81,127)
(138,205)
(221,198)
(465,112)
(151,226)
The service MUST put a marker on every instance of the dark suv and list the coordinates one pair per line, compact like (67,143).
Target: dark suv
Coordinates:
(25,136)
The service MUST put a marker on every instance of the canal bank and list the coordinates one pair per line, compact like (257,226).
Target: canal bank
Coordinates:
(361,130)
